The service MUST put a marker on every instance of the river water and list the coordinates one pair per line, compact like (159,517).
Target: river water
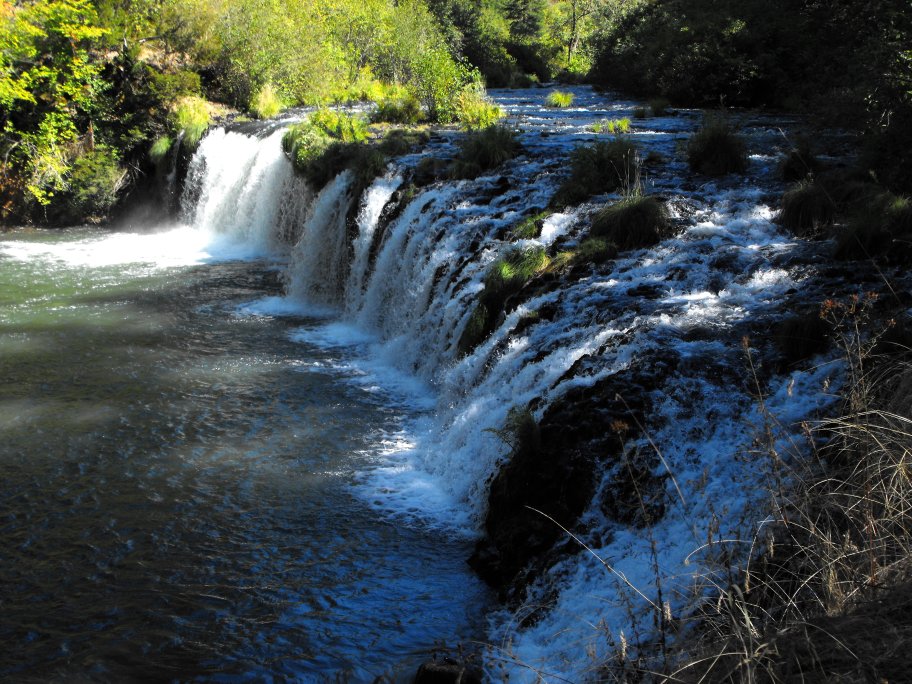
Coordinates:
(176,497)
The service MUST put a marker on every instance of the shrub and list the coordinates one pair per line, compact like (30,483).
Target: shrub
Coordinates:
(265,103)
(475,111)
(94,181)
(807,208)
(404,109)
(160,149)
(191,116)
(612,126)
(559,99)
(716,150)
(339,126)
(882,227)
(594,169)
(634,222)
(171,87)
(483,150)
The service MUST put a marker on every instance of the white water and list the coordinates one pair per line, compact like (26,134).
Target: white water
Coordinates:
(399,309)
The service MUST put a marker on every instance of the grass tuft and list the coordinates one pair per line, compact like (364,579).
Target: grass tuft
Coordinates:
(633,223)
(559,99)
(612,126)
(191,115)
(799,163)
(265,103)
(807,208)
(716,150)
(403,109)
(475,112)
(881,226)
(602,167)
(483,150)
(160,148)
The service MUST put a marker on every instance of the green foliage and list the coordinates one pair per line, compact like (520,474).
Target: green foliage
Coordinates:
(716,149)
(93,182)
(530,227)
(559,99)
(169,88)
(503,279)
(347,128)
(595,251)
(475,111)
(483,150)
(612,126)
(807,208)
(265,103)
(401,141)
(405,109)
(160,148)
(601,167)
(635,222)
(191,117)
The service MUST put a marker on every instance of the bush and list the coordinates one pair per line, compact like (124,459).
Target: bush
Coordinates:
(265,103)
(716,150)
(171,87)
(191,116)
(594,169)
(480,151)
(883,226)
(807,208)
(634,222)
(559,99)
(475,111)
(94,181)
(404,109)
(339,126)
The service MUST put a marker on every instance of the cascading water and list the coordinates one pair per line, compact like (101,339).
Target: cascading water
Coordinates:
(394,290)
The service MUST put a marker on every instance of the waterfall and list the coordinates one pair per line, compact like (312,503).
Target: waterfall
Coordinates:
(671,316)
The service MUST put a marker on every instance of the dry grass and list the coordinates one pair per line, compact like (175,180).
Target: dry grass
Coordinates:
(827,599)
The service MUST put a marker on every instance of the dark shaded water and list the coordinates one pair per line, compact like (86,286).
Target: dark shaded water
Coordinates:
(175,485)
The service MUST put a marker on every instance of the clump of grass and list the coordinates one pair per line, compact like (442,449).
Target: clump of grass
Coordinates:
(800,337)
(612,126)
(191,116)
(799,163)
(402,109)
(483,150)
(595,250)
(530,227)
(880,226)
(160,148)
(716,149)
(634,222)
(266,102)
(807,208)
(400,141)
(559,99)
(602,167)
(640,113)
(475,112)
(504,278)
